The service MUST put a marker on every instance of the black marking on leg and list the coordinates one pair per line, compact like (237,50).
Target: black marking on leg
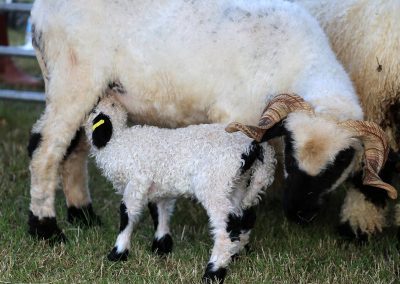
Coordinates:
(84,216)
(162,246)
(240,224)
(234,227)
(123,223)
(74,142)
(102,132)
(45,229)
(34,142)
(211,275)
(116,256)
(248,219)
(347,233)
(154,213)
(255,152)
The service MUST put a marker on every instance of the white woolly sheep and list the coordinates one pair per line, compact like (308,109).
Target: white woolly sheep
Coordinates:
(182,62)
(224,172)
(366,38)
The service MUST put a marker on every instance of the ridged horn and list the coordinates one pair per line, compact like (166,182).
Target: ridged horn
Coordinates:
(376,150)
(276,110)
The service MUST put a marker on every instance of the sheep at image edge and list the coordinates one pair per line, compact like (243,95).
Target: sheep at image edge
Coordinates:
(225,172)
(365,36)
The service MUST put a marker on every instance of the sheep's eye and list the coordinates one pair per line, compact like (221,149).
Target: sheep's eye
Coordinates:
(113,105)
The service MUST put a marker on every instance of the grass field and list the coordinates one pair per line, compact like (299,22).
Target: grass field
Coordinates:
(281,252)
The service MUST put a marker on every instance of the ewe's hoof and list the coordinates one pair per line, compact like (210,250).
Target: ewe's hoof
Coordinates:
(116,256)
(348,234)
(214,276)
(162,246)
(84,216)
(45,229)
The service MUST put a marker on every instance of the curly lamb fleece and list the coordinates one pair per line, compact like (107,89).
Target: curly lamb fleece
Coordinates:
(147,163)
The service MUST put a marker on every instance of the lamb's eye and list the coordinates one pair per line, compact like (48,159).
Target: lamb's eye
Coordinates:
(113,105)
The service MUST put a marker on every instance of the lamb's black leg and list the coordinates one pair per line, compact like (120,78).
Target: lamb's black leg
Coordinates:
(161,214)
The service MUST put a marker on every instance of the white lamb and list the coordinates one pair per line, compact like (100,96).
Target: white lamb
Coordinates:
(224,172)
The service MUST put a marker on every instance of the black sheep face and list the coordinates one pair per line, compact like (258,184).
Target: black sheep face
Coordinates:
(101,130)
(314,165)
(108,116)
(304,193)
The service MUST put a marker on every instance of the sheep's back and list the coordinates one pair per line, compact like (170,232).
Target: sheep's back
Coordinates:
(186,62)
(366,38)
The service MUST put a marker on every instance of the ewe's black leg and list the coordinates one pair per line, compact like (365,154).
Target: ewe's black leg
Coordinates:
(363,212)
(44,228)
(161,214)
(75,184)
(84,216)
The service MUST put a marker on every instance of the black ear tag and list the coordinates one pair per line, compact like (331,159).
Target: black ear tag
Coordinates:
(101,130)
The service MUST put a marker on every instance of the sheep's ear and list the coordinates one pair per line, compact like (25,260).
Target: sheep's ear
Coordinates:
(102,130)
(275,131)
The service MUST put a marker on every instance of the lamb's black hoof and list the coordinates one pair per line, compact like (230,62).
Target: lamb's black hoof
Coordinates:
(398,239)
(83,216)
(45,229)
(162,246)
(115,256)
(214,276)
(347,233)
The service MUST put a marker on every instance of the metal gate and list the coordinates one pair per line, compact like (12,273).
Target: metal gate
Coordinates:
(16,51)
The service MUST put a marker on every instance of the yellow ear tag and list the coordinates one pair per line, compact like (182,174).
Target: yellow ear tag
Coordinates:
(100,122)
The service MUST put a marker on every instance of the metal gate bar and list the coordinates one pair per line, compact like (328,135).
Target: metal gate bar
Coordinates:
(19,7)
(20,52)
(22,95)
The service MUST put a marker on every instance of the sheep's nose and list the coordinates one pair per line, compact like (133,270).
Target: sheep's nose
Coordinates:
(307,216)
(302,217)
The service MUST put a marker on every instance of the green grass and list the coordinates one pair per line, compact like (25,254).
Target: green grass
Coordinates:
(281,252)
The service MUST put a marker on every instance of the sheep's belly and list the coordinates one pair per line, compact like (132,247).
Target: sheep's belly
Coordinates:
(183,62)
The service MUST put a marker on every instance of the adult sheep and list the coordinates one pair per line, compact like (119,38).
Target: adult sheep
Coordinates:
(181,62)
(366,38)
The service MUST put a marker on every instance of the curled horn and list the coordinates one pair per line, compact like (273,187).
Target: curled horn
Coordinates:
(376,151)
(276,110)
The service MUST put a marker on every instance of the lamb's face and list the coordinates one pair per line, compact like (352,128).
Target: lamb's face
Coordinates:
(104,119)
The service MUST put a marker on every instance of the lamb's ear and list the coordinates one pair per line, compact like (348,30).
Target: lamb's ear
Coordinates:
(101,130)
